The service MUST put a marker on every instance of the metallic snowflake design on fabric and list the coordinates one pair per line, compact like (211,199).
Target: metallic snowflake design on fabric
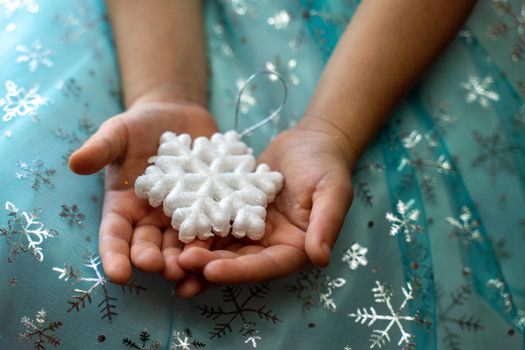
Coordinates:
(72,215)
(25,233)
(394,317)
(405,221)
(355,256)
(466,227)
(182,340)
(145,342)
(240,302)
(478,90)
(513,21)
(40,330)
(107,306)
(284,69)
(448,320)
(211,187)
(326,298)
(11,6)
(494,153)
(20,103)
(35,56)
(279,20)
(37,172)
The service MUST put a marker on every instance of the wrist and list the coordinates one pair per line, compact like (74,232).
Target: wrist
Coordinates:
(321,124)
(171,93)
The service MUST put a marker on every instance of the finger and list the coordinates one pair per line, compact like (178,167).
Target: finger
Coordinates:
(101,149)
(145,248)
(171,249)
(114,238)
(329,207)
(190,286)
(196,258)
(270,263)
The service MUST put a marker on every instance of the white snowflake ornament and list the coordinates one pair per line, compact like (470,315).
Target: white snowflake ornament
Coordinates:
(211,187)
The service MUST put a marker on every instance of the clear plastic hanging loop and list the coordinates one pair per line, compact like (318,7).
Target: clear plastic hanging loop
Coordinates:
(273,115)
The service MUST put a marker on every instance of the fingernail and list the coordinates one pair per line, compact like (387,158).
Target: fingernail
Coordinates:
(327,249)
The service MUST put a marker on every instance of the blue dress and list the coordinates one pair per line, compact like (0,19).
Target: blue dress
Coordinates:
(431,255)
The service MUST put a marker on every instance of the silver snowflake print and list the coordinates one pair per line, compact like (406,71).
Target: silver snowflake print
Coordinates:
(25,233)
(240,301)
(35,56)
(40,330)
(285,69)
(11,6)
(518,119)
(513,21)
(280,20)
(37,173)
(355,256)
(72,215)
(326,298)
(20,103)
(466,227)
(145,342)
(183,340)
(393,317)
(97,282)
(495,154)
(478,90)
(405,221)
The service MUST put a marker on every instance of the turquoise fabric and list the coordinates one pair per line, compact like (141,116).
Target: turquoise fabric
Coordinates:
(431,253)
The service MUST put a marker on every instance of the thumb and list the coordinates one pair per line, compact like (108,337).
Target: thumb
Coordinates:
(330,203)
(101,149)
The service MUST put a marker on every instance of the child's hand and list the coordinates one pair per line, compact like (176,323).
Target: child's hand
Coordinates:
(131,230)
(302,223)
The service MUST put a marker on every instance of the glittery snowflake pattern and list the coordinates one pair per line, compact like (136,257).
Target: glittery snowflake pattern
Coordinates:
(98,282)
(394,317)
(240,301)
(451,317)
(183,341)
(355,256)
(40,330)
(326,298)
(478,90)
(284,69)
(20,103)
(11,6)
(145,342)
(25,233)
(37,173)
(72,215)
(466,228)
(513,21)
(35,56)
(495,155)
(405,221)
(210,187)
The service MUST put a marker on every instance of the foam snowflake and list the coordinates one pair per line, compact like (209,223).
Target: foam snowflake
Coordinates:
(406,222)
(41,330)
(25,227)
(394,317)
(210,188)
(466,228)
(478,90)
(20,103)
(99,282)
(35,56)
(355,256)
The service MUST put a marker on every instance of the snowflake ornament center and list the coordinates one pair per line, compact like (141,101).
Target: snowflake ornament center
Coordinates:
(209,187)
